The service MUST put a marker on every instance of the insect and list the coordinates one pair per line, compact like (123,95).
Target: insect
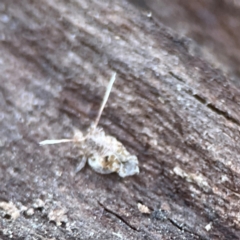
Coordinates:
(105,154)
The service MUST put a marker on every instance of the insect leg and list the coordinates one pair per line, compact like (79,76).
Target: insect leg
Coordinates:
(81,165)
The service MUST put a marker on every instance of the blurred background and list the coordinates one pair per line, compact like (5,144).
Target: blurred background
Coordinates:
(213,24)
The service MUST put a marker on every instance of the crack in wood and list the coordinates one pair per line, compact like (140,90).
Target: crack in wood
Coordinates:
(176,77)
(117,216)
(222,113)
(211,106)
(160,215)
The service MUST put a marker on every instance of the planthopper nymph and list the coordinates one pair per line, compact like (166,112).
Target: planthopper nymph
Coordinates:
(105,154)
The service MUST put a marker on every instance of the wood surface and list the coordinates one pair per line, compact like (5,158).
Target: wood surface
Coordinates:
(175,105)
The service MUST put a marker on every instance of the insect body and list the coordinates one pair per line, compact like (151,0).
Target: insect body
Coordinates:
(105,154)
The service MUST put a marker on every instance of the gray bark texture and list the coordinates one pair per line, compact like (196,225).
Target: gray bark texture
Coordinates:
(175,105)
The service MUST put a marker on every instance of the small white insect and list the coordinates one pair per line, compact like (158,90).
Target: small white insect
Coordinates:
(105,154)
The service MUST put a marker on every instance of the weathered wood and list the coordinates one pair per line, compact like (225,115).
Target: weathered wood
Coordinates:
(172,109)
